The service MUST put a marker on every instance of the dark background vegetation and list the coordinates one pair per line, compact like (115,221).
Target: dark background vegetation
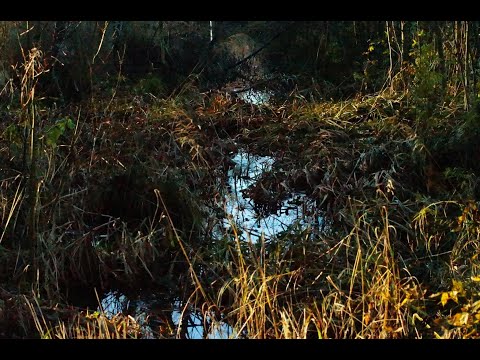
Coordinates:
(339,57)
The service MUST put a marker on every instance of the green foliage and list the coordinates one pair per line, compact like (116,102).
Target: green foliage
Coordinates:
(465,181)
(13,134)
(151,84)
(374,64)
(427,78)
(427,82)
(53,133)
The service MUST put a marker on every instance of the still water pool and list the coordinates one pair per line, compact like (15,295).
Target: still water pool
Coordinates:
(295,213)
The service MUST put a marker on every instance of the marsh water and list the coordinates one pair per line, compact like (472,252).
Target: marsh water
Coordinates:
(184,320)
(255,97)
(296,213)
(293,214)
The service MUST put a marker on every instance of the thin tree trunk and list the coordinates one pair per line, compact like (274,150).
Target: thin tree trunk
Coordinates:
(403,43)
(390,69)
(473,56)
(439,47)
(465,67)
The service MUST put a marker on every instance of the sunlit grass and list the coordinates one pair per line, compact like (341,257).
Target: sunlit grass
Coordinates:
(399,259)
(85,325)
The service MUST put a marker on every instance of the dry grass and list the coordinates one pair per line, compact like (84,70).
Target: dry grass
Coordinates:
(366,293)
(129,195)
(85,325)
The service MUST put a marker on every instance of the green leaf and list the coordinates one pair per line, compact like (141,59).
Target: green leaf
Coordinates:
(69,123)
(53,134)
(12,133)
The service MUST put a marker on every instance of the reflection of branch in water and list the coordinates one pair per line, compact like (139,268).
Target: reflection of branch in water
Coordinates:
(254,232)
(255,206)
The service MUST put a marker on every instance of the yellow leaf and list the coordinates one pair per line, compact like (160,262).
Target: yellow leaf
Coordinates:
(475,278)
(371,48)
(93,315)
(406,300)
(458,287)
(444,299)
(475,306)
(460,319)
(453,295)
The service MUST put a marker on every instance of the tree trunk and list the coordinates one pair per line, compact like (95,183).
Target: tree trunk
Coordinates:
(439,48)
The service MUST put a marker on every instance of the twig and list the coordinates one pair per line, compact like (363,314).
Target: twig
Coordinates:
(101,42)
